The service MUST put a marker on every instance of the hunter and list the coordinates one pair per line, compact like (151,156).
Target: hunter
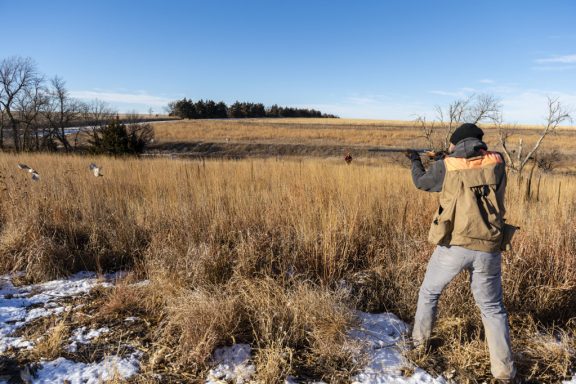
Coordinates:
(468,231)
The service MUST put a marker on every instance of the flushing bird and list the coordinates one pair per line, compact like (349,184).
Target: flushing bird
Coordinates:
(95,170)
(348,158)
(24,167)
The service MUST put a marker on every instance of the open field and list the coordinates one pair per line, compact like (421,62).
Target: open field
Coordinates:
(353,122)
(277,253)
(327,137)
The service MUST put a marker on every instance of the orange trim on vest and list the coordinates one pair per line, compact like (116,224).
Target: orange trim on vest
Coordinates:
(458,163)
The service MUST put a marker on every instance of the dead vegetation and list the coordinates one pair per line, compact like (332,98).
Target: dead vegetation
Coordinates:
(276,253)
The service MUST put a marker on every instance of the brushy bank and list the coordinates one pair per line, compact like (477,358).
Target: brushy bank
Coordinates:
(277,253)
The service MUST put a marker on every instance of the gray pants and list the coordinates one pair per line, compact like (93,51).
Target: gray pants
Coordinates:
(485,281)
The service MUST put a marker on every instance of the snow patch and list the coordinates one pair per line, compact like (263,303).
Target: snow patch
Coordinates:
(80,336)
(232,364)
(20,305)
(61,370)
(383,335)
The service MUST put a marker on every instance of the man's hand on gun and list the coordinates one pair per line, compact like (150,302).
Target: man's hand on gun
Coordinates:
(412,154)
(433,155)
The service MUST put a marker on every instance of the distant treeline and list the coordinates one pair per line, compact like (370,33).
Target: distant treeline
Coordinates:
(209,109)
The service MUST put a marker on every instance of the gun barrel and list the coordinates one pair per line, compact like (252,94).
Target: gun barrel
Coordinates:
(392,150)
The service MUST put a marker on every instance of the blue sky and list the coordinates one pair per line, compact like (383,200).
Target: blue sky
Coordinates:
(365,59)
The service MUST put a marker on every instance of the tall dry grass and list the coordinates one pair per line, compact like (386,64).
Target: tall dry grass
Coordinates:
(276,253)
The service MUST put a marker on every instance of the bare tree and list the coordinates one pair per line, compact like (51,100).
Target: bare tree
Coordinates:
(1,125)
(428,130)
(472,109)
(62,111)
(94,116)
(140,134)
(19,80)
(518,159)
(29,105)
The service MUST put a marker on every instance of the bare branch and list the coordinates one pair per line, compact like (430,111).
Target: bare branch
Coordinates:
(557,114)
(504,133)
(486,107)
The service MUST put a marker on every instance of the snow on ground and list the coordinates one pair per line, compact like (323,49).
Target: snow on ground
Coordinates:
(20,305)
(232,365)
(382,335)
(61,370)
(83,336)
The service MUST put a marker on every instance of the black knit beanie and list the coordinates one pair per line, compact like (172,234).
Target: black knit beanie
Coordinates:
(465,131)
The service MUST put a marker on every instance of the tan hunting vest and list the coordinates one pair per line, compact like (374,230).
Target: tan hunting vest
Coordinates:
(471,212)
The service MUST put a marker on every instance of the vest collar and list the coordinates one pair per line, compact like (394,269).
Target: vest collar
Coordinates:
(469,147)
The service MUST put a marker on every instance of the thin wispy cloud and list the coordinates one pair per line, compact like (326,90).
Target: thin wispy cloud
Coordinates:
(141,98)
(373,107)
(486,81)
(566,59)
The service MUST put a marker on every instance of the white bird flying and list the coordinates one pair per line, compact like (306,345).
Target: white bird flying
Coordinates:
(24,167)
(96,170)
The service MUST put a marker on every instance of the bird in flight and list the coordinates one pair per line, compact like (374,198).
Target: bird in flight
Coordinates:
(348,158)
(96,170)
(24,167)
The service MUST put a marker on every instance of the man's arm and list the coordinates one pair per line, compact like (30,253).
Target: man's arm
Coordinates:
(431,180)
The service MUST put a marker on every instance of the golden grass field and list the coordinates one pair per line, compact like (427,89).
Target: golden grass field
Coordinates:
(353,133)
(257,250)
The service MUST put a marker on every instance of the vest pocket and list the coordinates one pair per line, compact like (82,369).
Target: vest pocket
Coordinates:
(442,225)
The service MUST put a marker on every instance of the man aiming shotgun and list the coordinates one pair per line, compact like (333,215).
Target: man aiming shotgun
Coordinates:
(468,231)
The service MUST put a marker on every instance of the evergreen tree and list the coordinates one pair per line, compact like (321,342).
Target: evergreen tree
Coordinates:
(257,110)
(209,109)
(235,110)
(112,139)
(221,110)
(200,109)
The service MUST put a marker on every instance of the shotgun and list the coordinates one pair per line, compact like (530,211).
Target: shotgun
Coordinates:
(424,151)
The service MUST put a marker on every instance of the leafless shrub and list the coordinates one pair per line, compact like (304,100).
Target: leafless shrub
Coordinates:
(472,109)
(548,161)
(556,115)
